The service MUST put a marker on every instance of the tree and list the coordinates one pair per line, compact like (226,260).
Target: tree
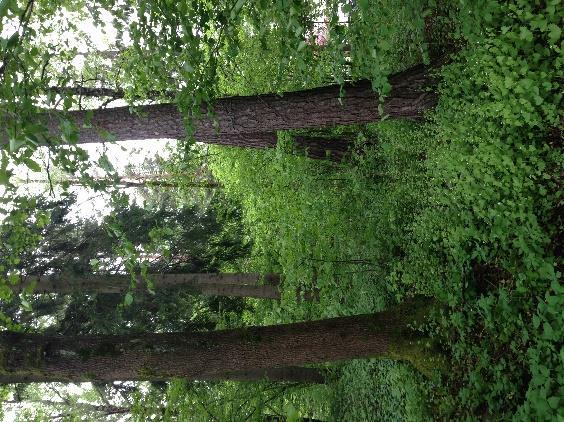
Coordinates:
(197,355)
(138,182)
(236,120)
(228,284)
(198,241)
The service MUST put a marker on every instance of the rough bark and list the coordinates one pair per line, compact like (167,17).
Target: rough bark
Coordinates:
(200,355)
(318,107)
(219,284)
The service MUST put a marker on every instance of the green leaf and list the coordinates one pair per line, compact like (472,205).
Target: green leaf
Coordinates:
(30,287)
(364,5)
(16,144)
(554,33)
(291,413)
(106,135)
(13,40)
(525,34)
(88,119)
(553,402)
(94,263)
(4,7)
(5,176)
(105,163)
(236,8)
(26,305)
(128,300)
(32,165)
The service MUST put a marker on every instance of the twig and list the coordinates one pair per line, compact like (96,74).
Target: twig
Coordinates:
(24,21)
(65,400)
(48,167)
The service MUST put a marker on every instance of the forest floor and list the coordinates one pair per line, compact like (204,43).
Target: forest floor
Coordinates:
(462,207)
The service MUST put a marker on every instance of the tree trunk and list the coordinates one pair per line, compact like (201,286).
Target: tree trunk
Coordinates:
(200,355)
(234,116)
(218,284)
(137,183)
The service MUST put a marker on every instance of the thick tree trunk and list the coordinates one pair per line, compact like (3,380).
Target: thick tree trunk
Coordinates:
(200,355)
(218,284)
(234,116)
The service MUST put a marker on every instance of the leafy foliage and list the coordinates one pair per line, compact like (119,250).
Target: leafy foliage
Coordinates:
(228,401)
(476,224)
(465,207)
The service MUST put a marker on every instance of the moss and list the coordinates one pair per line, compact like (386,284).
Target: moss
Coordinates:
(3,362)
(421,353)
(27,367)
(90,375)
(84,354)
(251,335)
(34,358)
(146,372)
(416,310)
(205,343)
(106,349)
(28,360)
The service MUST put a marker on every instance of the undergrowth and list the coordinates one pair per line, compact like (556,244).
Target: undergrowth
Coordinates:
(465,207)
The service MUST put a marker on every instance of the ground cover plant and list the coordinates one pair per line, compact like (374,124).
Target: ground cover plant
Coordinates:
(462,206)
